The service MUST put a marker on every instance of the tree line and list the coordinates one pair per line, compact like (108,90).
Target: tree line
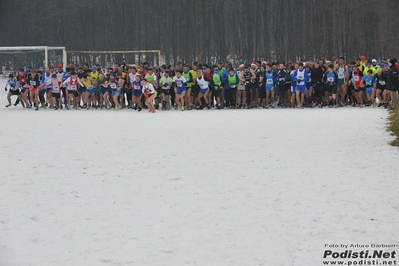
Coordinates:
(208,30)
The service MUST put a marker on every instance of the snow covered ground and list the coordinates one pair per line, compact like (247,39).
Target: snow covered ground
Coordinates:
(242,187)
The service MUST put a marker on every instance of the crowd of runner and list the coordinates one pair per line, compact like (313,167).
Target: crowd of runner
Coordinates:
(200,86)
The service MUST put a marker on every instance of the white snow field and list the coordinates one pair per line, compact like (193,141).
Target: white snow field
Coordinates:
(228,187)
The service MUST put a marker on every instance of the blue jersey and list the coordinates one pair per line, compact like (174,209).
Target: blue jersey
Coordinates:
(269,79)
(369,81)
(12,84)
(137,85)
(331,78)
(293,82)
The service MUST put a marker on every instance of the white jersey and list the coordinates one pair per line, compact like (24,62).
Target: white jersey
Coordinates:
(54,84)
(202,83)
(148,88)
(60,75)
(179,81)
(165,82)
(341,72)
(300,75)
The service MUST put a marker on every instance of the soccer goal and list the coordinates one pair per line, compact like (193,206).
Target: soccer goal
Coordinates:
(109,58)
(36,57)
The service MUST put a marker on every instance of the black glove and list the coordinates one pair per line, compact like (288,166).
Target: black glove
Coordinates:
(299,80)
(5,89)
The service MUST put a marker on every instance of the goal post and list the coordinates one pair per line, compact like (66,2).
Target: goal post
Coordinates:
(109,58)
(37,57)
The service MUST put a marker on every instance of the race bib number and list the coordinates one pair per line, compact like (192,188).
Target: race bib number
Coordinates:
(269,81)
(202,85)
(73,87)
(136,87)
(330,79)
(382,82)
(56,87)
(341,75)
(90,88)
(356,78)
(113,86)
(179,83)
(300,76)
(33,83)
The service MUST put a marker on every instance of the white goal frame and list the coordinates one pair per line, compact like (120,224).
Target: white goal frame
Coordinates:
(46,49)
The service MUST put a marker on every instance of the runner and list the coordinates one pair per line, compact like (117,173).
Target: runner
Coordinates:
(72,84)
(317,77)
(137,92)
(260,83)
(44,79)
(270,85)
(281,75)
(369,82)
(153,79)
(240,97)
(293,84)
(89,95)
(330,80)
(34,87)
(382,93)
(217,87)
(189,78)
(165,83)
(231,92)
(179,84)
(249,76)
(102,83)
(208,78)
(355,80)
(342,89)
(309,88)
(54,83)
(204,91)
(149,95)
(22,83)
(13,89)
(300,76)
(116,90)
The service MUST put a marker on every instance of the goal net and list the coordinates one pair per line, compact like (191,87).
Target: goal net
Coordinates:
(109,58)
(36,57)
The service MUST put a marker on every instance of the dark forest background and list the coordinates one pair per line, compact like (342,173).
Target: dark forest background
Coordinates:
(208,30)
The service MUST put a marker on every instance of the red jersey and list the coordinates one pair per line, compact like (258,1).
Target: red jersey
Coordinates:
(73,83)
(22,79)
(356,79)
